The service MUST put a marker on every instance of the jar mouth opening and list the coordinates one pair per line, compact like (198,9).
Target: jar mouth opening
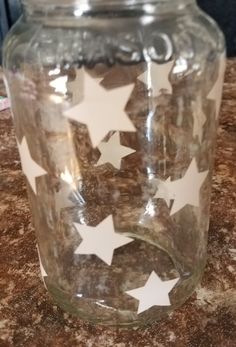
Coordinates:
(80,8)
(107,3)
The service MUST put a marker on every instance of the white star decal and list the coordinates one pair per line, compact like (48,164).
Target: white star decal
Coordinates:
(157,78)
(184,191)
(154,293)
(30,168)
(216,92)
(112,151)
(101,240)
(60,84)
(43,272)
(162,191)
(102,110)
(199,120)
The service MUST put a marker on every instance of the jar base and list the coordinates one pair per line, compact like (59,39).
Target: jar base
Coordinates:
(119,319)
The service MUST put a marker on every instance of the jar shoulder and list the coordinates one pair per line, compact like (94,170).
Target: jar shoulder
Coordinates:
(210,28)
(18,43)
(90,40)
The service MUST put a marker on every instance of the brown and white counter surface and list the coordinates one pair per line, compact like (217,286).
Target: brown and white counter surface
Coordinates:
(29,318)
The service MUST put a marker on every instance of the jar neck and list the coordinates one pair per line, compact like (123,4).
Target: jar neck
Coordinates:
(81,7)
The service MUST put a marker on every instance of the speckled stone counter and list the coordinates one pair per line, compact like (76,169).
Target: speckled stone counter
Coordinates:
(29,318)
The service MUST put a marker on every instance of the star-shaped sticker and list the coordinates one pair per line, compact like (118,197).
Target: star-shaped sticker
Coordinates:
(43,272)
(101,240)
(216,92)
(199,120)
(154,293)
(184,191)
(162,191)
(60,84)
(112,151)
(157,78)
(30,168)
(102,110)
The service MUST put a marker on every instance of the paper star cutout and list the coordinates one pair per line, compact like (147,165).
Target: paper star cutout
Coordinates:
(184,191)
(216,92)
(157,78)
(30,168)
(75,87)
(43,272)
(101,240)
(112,151)
(154,293)
(102,110)
(59,84)
(162,191)
(199,120)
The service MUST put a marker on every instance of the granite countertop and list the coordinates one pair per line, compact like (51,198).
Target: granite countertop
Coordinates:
(29,318)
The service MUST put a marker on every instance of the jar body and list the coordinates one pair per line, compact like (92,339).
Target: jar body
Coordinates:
(115,118)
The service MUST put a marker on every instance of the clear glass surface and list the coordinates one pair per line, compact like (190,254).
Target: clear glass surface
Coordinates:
(145,171)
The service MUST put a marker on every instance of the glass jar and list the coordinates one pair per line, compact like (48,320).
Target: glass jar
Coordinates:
(115,106)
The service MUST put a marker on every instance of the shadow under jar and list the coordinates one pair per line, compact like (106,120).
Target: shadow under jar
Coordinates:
(116,107)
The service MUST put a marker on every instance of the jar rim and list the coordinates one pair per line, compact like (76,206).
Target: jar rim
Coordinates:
(82,7)
(69,3)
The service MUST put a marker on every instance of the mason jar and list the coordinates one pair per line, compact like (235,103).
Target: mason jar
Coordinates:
(115,106)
